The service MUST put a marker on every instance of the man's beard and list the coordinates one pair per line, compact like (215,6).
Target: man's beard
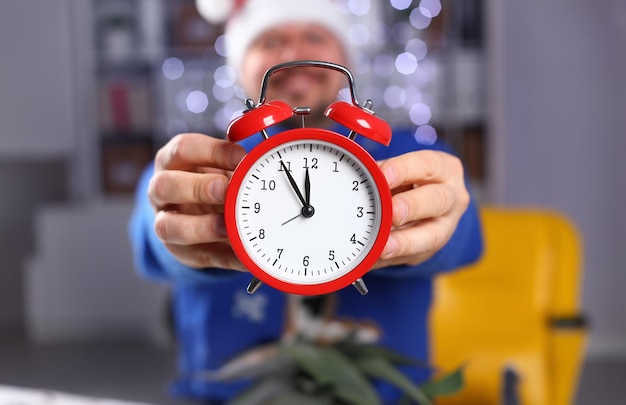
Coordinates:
(316,119)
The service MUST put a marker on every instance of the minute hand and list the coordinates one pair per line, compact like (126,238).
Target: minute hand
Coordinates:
(307,187)
(294,185)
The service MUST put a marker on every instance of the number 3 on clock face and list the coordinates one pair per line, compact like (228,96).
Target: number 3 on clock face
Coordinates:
(308,211)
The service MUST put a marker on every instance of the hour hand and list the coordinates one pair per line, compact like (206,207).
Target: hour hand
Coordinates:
(307,209)
(293,184)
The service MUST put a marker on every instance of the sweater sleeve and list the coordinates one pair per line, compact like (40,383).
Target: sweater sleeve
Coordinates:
(151,258)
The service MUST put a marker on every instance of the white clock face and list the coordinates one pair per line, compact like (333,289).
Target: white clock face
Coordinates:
(320,235)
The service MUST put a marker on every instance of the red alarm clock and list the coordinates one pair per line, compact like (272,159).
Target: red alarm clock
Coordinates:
(308,211)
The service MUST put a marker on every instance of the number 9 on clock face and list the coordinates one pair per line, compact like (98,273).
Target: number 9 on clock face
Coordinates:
(308,211)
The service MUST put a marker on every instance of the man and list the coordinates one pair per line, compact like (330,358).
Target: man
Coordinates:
(178,231)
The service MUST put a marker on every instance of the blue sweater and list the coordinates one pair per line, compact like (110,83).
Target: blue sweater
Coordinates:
(216,319)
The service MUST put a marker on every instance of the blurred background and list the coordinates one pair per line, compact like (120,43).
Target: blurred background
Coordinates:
(531,94)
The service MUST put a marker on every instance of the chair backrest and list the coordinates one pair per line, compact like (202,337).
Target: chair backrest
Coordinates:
(516,310)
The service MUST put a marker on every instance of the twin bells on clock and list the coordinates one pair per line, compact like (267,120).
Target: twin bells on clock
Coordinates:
(308,211)
(359,120)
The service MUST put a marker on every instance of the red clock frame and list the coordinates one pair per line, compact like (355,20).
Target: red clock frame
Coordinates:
(303,135)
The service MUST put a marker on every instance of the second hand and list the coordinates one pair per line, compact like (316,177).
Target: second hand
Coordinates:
(289,220)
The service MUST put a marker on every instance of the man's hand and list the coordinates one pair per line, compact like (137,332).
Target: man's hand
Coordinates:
(187,192)
(429,198)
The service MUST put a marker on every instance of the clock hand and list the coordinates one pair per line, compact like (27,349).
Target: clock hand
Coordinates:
(307,187)
(291,219)
(293,184)
(307,209)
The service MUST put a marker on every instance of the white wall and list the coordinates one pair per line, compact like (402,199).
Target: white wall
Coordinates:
(36,68)
(79,285)
(558,103)
(24,186)
(37,137)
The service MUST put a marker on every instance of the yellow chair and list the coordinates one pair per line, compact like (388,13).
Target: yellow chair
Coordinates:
(517,309)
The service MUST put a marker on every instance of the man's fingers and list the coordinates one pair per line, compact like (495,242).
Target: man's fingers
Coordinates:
(188,151)
(421,167)
(179,187)
(181,229)
(412,245)
(427,201)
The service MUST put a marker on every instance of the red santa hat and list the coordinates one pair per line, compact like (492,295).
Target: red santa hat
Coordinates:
(246,19)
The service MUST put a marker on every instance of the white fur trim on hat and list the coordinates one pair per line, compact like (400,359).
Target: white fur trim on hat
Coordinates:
(215,11)
(257,16)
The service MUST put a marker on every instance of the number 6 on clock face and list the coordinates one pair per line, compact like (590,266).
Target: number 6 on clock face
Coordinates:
(308,211)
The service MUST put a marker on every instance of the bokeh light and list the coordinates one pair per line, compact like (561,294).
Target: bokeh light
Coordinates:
(220,46)
(359,7)
(420,114)
(173,68)
(417,47)
(425,135)
(228,112)
(222,94)
(197,101)
(406,63)
(430,8)
(344,95)
(418,19)
(394,96)
(400,4)
(224,76)
(358,34)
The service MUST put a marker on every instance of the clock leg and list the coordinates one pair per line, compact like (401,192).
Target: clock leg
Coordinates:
(360,286)
(254,285)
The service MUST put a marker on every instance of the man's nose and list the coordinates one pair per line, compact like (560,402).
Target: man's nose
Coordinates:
(293,50)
